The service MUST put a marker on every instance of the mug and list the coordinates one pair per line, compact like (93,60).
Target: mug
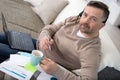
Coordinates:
(36,57)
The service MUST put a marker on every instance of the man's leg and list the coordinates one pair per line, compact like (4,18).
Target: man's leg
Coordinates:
(5,52)
(3,39)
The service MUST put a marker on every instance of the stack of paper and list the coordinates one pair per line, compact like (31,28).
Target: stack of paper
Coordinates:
(15,67)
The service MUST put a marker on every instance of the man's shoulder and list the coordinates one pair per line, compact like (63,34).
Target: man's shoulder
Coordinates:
(71,19)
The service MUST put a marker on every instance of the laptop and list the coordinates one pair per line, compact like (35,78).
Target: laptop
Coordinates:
(17,40)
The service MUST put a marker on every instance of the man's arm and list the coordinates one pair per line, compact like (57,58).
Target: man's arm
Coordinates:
(89,68)
(48,31)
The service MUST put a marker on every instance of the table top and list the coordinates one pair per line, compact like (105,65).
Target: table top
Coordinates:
(15,67)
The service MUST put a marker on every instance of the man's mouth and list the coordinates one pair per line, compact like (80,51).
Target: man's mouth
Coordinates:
(84,26)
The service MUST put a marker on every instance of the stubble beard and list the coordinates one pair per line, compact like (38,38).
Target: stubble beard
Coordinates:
(85,28)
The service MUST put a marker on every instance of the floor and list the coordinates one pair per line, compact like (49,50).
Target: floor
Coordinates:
(114,33)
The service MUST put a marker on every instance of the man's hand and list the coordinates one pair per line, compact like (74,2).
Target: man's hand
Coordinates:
(48,65)
(45,43)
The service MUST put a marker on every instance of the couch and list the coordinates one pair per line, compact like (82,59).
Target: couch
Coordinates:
(32,15)
(20,17)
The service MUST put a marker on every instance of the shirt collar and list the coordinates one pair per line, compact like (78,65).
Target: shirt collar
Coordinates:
(79,34)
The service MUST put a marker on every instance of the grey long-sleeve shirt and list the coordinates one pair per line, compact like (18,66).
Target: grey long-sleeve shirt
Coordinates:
(72,51)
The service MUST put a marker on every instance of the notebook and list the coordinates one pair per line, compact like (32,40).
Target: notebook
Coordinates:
(17,40)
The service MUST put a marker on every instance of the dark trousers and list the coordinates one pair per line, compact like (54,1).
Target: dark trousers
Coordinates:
(109,73)
(5,50)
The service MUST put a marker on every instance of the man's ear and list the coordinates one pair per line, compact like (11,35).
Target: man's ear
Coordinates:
(102,25)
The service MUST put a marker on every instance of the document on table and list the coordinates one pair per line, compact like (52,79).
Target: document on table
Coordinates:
(15,68)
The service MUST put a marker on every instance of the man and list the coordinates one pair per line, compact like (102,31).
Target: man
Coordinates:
(74,44)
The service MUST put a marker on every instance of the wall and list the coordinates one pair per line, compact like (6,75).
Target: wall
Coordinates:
(114,6)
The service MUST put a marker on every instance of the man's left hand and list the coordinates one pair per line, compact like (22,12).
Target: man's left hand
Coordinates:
(48,65)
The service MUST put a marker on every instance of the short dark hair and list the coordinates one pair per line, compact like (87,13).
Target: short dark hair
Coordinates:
(101,6)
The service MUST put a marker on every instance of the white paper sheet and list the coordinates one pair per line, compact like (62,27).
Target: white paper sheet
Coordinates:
(19,59)
(15,71)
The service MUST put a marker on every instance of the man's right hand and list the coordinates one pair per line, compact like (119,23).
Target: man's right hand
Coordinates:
(45,43)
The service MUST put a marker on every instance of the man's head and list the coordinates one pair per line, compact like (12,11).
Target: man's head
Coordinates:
(101,6)
(93,17)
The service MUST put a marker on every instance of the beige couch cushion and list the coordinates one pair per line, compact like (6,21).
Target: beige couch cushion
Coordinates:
(49,9)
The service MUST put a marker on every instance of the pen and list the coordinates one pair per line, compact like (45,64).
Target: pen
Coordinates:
(14,72)
(49,39)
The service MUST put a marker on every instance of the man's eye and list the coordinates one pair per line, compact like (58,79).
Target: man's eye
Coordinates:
(84,15)
(94,19)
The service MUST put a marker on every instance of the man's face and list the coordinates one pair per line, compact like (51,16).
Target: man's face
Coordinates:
(91,20)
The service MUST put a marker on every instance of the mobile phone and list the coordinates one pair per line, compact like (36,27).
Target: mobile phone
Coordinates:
(35,75)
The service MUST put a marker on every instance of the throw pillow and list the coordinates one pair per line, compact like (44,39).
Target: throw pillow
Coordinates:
(34,2)
(49,9)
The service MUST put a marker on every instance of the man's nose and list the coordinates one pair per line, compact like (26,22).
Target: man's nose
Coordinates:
(87,19)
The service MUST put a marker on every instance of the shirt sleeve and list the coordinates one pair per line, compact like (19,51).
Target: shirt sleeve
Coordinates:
(90,59)
(50,30)
(53,28)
